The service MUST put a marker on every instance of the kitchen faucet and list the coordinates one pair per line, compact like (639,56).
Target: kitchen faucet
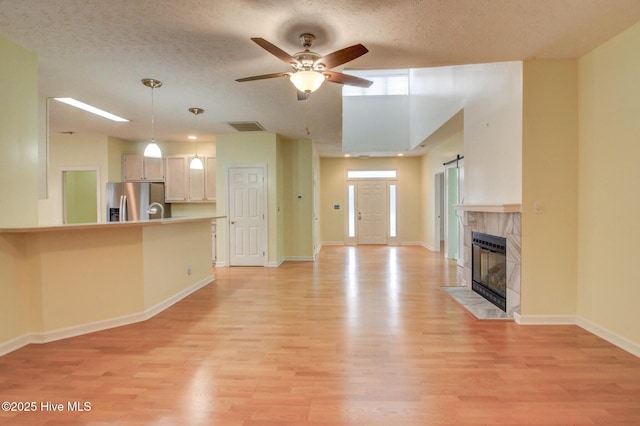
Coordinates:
(153,209)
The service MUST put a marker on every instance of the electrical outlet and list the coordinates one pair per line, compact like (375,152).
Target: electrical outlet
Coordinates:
(537,207)
(189,270)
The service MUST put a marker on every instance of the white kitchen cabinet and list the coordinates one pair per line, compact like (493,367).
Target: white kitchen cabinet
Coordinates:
(137,167)
(186,185)
(176,178)
(196,183)
(202,183)
(210,178)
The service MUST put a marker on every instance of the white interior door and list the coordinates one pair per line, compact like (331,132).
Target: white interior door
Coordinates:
(247,216)
(371,212)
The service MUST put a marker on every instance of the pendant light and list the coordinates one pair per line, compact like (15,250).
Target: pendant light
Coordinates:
(152,149)
(196,162)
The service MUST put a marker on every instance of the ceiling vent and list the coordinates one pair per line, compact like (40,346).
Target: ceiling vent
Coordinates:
(247,126)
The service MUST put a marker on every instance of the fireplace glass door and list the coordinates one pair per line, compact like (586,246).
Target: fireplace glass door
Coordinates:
(489,268)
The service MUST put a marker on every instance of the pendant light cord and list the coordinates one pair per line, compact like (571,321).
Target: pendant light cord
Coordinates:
(196,118)
(153,136)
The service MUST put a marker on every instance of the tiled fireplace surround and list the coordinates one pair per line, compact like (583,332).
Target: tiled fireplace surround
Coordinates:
(502,220)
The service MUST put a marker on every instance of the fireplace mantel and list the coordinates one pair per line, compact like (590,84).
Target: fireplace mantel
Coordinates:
(489,208)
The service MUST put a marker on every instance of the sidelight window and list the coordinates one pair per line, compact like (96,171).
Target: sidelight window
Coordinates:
(352,210)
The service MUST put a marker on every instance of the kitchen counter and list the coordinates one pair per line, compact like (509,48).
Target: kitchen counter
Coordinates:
(108,225)
(64,280)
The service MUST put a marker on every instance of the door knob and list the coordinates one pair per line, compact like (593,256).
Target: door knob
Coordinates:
(233,222)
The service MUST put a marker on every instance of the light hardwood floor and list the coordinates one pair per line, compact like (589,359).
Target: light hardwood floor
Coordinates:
(363,336)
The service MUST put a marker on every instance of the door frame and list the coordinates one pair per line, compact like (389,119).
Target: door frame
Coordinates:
(61,174)
(459,166)
(265,192)
(438,209)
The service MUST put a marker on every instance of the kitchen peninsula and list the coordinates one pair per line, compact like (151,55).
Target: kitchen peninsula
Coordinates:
(77,279)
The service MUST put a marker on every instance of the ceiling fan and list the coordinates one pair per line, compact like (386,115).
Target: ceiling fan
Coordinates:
(309,68)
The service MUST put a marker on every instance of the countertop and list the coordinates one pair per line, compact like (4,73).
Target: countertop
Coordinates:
(80,226)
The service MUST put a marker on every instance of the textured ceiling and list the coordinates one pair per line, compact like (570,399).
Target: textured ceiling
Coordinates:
(98,51)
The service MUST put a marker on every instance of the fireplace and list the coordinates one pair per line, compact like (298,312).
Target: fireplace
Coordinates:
(489,268)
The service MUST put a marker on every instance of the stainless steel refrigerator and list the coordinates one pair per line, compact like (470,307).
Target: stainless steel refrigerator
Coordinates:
(135,201)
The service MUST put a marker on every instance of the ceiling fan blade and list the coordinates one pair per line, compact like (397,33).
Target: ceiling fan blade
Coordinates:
(275,51)
(302,96)
(342,56)
(349,80)
(264,76)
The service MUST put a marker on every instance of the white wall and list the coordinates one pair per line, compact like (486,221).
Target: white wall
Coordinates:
(491,96)
(375,123)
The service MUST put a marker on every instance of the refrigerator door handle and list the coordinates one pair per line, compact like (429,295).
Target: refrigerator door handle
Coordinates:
(123,208)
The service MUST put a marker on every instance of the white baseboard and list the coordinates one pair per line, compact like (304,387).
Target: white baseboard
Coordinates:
(92,327)
(155,310)
(15,344)
(609,336)
(276,263)
(221,264)
(299,258)
(332,243)
(428,247)
(593,328)
(544,319)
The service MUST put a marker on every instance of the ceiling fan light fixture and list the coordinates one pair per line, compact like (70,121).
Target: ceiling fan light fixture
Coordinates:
(307,81)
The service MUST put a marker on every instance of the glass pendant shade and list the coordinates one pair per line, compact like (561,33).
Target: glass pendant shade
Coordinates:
(307,81)
(196,163)
(152,150)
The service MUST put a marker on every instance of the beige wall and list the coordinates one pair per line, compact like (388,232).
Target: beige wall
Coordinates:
(61,282)
(333,172)
(18,180)
(247,148)
(85,276)
(297,199)
(18,136)
(609,189)
(192,263)
(73,152)
(550,181)
(289,164)
(15,303)
(315,205)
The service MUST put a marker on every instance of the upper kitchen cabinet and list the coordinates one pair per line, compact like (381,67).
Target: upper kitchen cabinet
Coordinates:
(176,182)
(202,183)
(210,178)
(183,184)
(139,168)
